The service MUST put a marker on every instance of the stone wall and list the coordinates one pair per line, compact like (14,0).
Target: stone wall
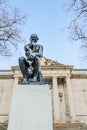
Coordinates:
(79,90)
(6,88)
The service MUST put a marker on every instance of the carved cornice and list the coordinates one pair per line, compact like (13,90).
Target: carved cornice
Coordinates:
(78,76)
(6,76)
(56,67)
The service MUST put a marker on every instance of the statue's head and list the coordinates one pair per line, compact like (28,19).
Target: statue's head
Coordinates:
(34,38)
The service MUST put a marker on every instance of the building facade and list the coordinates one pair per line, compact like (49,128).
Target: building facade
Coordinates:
(68,89)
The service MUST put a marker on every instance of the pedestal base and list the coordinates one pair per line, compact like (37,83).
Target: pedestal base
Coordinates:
(31,108)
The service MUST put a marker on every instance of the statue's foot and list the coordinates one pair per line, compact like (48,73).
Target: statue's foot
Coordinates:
(35,78)
(41,82)
(25,81)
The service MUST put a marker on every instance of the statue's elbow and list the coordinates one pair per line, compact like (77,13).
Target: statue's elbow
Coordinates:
(21,59)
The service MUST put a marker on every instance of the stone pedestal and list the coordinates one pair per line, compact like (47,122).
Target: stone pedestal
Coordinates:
(31,108)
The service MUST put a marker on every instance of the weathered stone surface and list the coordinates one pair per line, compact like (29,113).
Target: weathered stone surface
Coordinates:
(69,126)
(57,126)
(3,126)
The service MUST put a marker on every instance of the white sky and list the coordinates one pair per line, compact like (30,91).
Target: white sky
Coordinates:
(47,19)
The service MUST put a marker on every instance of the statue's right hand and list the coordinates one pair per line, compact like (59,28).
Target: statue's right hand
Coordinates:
(27,53)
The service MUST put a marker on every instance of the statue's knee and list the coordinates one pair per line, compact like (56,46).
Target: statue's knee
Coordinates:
(36,61)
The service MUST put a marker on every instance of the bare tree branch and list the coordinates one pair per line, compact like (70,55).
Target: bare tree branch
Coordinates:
(9,27)
(78,24)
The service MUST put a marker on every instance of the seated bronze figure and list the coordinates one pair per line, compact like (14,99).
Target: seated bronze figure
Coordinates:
(30,65)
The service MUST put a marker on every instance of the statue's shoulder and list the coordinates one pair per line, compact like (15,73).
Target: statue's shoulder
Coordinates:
(40,46)
(27,46)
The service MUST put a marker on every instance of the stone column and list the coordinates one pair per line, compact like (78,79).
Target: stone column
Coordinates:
(70,98)
(15,83)
(56,111)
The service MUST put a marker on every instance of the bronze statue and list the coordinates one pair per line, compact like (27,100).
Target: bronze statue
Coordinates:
(30,65)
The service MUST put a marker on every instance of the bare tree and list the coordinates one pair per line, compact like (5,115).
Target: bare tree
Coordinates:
(10,19)
(78,25)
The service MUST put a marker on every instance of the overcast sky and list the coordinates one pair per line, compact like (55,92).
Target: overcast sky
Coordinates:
(47,19)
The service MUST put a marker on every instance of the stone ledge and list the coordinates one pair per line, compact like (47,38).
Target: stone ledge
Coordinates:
(69,126)
(3,126)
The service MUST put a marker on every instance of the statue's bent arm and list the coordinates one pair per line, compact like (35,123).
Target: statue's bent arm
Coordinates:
(40,52)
